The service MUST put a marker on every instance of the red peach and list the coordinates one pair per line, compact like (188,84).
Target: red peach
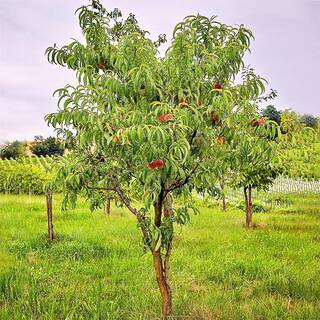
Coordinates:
(165,117)
(151,165)
(156,164)
(159,163)
(258,122)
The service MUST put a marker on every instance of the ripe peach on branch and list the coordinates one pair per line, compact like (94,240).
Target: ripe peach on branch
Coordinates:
(217,86)
(258,122)
(165,117)
(156,164)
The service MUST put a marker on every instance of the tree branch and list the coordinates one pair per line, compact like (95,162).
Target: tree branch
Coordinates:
(125,200)
(193,136)
(101,188)
(158,206)
(179,183)
(141,218)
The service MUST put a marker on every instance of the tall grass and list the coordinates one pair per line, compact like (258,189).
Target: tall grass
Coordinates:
(95,268)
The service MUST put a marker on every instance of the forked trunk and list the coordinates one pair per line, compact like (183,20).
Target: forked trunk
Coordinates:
(49,215)
(248,205)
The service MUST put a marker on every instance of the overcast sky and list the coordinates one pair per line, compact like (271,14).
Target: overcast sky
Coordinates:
(286,50)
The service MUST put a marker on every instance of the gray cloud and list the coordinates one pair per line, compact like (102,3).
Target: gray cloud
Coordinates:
(286,50)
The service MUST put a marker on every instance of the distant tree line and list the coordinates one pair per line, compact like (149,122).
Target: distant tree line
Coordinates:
(282,117)
(47,147)
(39,147)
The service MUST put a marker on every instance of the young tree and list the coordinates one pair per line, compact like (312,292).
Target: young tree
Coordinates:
(257,154)
(147,128)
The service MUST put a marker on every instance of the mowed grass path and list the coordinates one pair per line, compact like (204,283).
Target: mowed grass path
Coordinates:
(96,270)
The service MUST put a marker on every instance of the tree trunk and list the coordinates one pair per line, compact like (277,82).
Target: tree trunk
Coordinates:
(163,284)
(224,206)
(49,215)
(248,205)
(162,263)
(107,205)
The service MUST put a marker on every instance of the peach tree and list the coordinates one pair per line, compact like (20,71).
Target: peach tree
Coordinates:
(148,128)
(259,166)
(247,158)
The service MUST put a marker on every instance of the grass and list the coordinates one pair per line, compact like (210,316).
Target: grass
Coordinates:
(96,270)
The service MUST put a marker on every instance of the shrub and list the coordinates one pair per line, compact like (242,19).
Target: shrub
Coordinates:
(257,207)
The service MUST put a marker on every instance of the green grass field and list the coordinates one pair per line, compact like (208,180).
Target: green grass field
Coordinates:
(96,270)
